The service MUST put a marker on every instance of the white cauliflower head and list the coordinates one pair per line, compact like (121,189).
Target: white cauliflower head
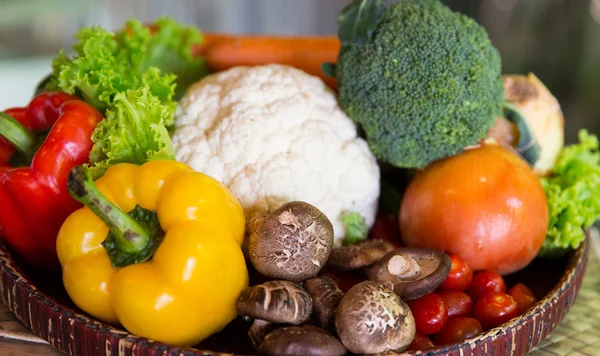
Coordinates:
(275,134)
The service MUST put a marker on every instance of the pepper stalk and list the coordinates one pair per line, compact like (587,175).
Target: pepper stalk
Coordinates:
(133,236)
(18,136)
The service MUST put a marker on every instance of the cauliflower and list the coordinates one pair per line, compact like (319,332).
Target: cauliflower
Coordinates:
(274,134)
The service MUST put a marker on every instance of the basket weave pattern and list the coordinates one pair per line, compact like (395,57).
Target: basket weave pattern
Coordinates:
(579,334)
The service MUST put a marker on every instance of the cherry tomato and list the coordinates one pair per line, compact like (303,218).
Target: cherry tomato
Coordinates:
(457,303)
(460,276)
(485,282)
(386,227)
(523,296)
(467,204)
(457,330)
(430,313)
(420,342)
(495,309)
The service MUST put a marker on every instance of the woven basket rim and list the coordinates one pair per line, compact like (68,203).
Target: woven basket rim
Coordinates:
(9,269)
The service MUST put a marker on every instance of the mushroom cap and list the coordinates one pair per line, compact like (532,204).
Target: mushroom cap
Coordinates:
(372,319)
(411,272)
(360,255)
(301,340)
(280,302)
(326,296)
(292,243)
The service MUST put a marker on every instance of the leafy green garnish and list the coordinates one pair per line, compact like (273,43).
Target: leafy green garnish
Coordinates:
(133,131)
(131,77)
(105,63)
(573,193)
(358,20)
(356,228)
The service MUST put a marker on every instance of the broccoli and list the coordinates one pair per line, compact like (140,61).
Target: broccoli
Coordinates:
(422,81)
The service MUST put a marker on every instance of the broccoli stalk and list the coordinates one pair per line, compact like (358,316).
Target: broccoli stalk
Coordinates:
(423,82)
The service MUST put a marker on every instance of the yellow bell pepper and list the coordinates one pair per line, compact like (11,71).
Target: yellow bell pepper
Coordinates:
(171,268)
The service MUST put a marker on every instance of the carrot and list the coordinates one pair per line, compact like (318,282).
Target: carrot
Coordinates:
(223,51)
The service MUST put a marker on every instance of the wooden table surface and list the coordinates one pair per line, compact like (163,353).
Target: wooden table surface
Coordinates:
(16,340)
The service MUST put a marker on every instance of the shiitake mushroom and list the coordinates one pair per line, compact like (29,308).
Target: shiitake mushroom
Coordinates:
(326,296)
(301,341)
(292,243)
(372,319)
(360,255)
(273,302)
(411,272)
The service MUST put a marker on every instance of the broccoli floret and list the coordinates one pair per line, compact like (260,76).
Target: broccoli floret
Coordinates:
(423,81)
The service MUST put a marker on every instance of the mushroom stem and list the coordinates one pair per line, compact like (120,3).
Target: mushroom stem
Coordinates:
(403,266)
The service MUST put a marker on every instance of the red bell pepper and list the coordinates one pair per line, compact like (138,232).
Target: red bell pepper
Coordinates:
(48,138)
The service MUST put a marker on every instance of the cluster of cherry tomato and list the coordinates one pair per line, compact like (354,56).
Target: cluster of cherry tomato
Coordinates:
(466,304)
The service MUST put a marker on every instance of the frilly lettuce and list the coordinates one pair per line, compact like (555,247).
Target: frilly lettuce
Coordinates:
(146,137)
(573,193)
(132,77)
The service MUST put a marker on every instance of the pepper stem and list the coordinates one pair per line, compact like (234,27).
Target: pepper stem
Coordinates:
(18,135)
(131,237)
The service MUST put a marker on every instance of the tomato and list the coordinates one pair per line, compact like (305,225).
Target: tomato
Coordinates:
(495,309)
(485,204)
(485,282)
(386,228)
(523,296)
(457,330)
(430,313)
(460,276)
(420,342)
(457,303)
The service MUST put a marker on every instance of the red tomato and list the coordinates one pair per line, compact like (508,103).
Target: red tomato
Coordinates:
(420,342)
(386,228)
(457,303)
(430,313)
(460,276)
(485,204)
(457,330)
(485,282)
(495,309)
(523,296)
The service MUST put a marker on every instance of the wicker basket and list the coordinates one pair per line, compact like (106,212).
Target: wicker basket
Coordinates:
(41,305)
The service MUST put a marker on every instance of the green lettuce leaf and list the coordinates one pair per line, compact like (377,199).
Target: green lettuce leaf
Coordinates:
(105,64)
(356,228)
(573,193)
(133,131)
(132,77)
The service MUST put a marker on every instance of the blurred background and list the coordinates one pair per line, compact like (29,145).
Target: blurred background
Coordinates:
(558,40)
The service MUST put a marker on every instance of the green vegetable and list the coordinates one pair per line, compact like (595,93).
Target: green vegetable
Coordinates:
(422,81)
(132,131)
(106,64)
(131,77)
(573,193)
(356,228)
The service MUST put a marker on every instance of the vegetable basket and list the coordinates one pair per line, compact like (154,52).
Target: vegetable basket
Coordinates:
(42,305)
(496,176)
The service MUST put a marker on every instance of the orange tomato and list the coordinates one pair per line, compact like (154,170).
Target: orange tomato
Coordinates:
(485,204)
